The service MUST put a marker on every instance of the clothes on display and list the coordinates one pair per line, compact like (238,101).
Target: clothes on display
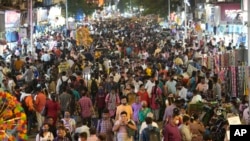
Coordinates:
(23,33)
(231,71)
(39,29)
(12,36)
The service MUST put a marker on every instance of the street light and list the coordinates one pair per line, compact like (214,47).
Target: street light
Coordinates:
(186,3)
(169,10)
(66,7)
(31,25)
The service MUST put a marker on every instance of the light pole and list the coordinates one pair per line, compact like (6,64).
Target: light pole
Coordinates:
(186,3)
(248,44)
(66,7)
(185,21)
(31,25)
(169,10)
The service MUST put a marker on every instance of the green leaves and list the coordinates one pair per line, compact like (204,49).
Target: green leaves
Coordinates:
(88,7)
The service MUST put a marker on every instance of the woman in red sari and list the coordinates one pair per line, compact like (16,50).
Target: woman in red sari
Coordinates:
(53,108)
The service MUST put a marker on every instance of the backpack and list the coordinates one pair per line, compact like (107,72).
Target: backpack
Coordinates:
(63,85)
(153,134)
(100,123)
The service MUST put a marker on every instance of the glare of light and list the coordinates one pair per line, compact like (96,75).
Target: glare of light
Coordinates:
(70,19)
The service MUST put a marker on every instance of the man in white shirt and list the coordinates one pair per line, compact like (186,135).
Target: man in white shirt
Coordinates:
(45,57)
(83,128)
(149,85)
(196,97)
(137,83)
(181,91)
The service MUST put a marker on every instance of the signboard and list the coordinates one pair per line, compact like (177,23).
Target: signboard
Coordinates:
(12,19)
(229,11)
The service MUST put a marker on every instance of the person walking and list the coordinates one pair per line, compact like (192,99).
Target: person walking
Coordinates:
(123,127)
(86,107)
(44,134)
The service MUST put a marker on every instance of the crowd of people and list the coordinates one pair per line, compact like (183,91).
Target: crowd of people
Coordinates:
(130,84)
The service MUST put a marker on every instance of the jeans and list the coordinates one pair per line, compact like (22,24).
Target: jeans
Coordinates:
(30,117)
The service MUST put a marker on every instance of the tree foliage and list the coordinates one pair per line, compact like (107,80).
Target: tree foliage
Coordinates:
(159,7)
(81,5)
(123,5)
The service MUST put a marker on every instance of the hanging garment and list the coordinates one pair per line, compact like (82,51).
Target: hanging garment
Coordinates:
(23,33)
(234,84)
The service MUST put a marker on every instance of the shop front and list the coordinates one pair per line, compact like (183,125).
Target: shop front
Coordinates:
(232,23)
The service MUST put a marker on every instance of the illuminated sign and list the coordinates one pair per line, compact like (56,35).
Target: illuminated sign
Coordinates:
(231,13)
(229,10)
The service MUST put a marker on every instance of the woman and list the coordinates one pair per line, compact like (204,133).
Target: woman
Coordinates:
(100,100)
(112,100)
(44,134)
(144,111)
(53,108)
(197,128)
(156,100)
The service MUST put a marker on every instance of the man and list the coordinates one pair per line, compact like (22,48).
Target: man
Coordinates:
(216,89)
(60,82)
(124,127)
(18,64)
(86,107)
(149,85)
(124,107)
(171,131)
(202,87)
(84,128)
(185,129)
(196,97)
(105,125)
(40,102)
(46,60)
(150,133)
(171,86)
(64,100)
(144,124)
(181,91)
(26,100)
(28,75)
(137,83)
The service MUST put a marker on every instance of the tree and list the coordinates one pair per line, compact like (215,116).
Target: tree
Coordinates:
(159,7)
(88,7)
(123,5)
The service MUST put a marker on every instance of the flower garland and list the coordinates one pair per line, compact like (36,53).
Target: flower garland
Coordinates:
(12,119)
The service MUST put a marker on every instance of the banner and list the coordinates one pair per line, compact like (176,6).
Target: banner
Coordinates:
(229,11)
(12,19)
